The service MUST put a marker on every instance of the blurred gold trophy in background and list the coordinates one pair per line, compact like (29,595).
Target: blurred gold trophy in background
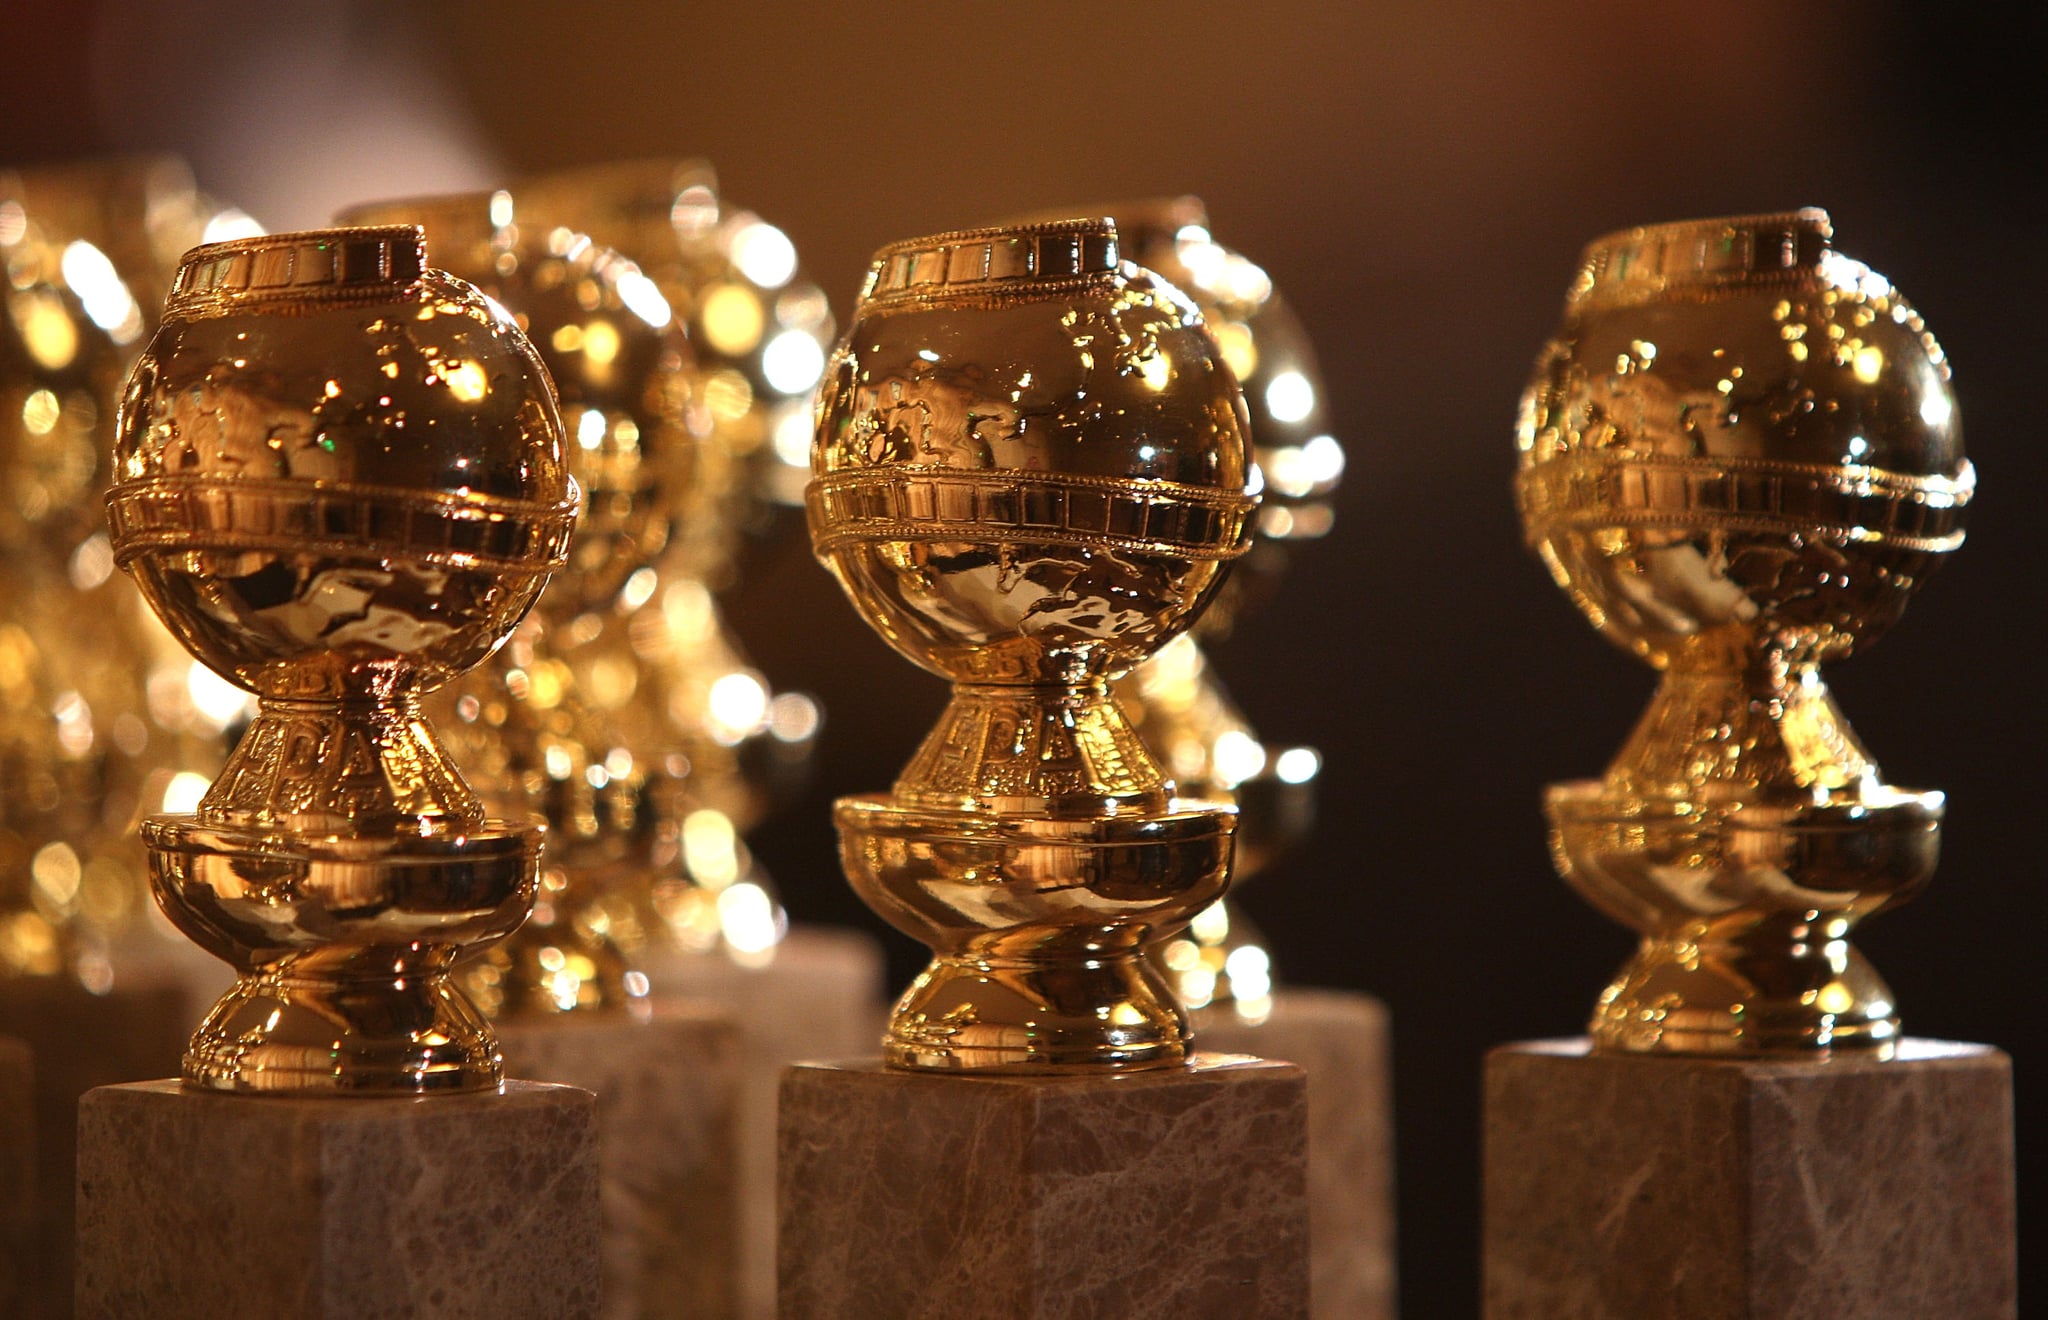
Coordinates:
(108,716)
(1176,700)
(1740,457)
(759,331)
(1031,473)
(572,719)
(340,481)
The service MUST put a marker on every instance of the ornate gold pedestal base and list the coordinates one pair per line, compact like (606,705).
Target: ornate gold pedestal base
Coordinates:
(17,1178)
(78,1040)
(1039,928)
(821,998)
(194,1205)
(666,1094)
(345,947)
(1173,1193)
(1341,1040)
(1619,1186)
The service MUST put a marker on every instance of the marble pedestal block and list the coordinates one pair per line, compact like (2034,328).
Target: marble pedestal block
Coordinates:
(821,998)
(197,1206)
(1340,1039)
(17,1176)
(1178,1193)
(1623,1186)
(78,1040)
(666,1094)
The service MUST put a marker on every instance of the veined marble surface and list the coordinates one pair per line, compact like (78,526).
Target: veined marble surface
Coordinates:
(197,1206)
(1623,1186)
(1175,1193)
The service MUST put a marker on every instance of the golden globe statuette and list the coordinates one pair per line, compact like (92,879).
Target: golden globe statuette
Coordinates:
(1740,457)
(100,719)
(759,331)
(340,482)
(1030,474)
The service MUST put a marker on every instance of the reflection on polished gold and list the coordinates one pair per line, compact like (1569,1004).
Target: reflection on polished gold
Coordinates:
(1031,473)
(1740,457)
(105,714)
(340,482)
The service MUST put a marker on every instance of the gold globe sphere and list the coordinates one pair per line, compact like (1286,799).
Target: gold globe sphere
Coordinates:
(1031,463)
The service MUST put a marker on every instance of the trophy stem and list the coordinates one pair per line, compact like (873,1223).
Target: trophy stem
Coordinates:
(342,767)
(1759,730)
(1059,749)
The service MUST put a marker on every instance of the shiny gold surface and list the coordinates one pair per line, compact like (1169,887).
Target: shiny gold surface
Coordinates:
(1740,457)
(1030,473)
(339,479)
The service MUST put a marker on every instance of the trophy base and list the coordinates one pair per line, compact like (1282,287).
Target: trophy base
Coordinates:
(1147,1196)
(666,1093)
(1619,1186)
(1040,926)
(820,998)
(344,947)
(1687,995)
(1342,1041)
(273,1033)
(1019,1015)
(193,1206)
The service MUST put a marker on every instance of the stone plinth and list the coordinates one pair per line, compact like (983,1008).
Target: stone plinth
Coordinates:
(821,998)
(666,1094)
(1340,1039)
(1177,1193)
(195,1205)
(77,1041)
(1623,1186)
(17,1176)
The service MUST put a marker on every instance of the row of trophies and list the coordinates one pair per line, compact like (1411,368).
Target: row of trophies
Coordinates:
(345,463)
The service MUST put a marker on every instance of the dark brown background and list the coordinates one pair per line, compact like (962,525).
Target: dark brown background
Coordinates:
(1417,175)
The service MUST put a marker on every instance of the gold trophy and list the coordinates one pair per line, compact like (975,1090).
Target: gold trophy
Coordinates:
(340,481)
(759,331)
(1740,457)
(1030,473)
(634,722)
